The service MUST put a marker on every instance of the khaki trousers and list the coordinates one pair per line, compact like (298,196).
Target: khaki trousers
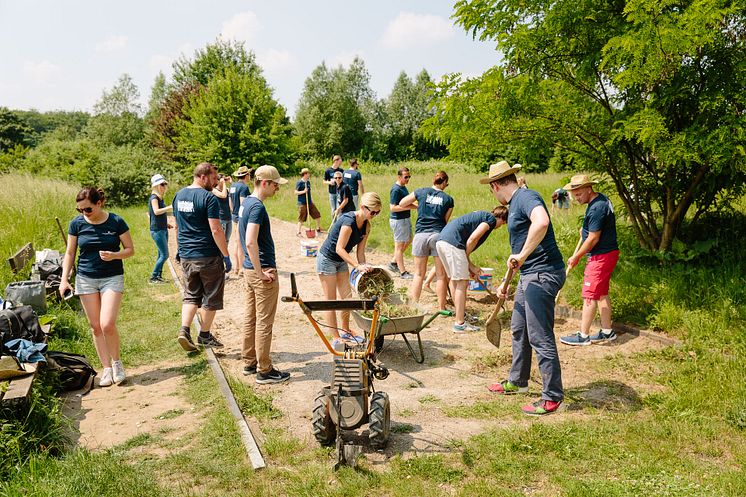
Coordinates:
(261,307)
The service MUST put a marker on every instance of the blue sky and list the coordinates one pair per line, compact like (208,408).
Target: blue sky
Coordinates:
(61,54)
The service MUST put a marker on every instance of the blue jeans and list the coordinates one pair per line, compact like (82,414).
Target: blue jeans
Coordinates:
(532,326)
(333,202)
(161,241)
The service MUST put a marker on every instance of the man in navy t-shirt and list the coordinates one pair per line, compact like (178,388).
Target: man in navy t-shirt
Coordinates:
(236,195)
(400,221)
(260,274)
(354,180)
(203,253)
(535,252)
(599,243)
(345,202)
(329,181)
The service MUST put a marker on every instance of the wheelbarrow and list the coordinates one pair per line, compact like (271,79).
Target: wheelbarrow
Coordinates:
(350,401)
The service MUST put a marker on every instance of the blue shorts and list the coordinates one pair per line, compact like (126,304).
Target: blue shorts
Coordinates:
(325,265)
(227,228)
(402,229)
(87,286)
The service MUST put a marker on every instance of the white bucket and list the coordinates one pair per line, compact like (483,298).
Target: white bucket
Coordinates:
(356,277)
(485,281)
(309,248)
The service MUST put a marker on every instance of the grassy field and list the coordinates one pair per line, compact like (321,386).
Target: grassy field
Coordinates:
(687,438)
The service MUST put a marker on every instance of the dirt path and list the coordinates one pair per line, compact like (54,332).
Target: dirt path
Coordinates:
(425,398)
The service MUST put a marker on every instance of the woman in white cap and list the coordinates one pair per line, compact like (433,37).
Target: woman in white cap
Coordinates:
(159,226)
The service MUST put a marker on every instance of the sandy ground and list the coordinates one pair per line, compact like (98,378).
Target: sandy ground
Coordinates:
(456,371)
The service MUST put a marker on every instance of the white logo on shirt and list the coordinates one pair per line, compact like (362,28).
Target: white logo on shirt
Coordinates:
(109,233)
(232,190)
(434,200)
(348,175)
(185,206)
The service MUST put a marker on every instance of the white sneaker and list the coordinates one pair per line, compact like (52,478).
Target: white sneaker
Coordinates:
(106,378)
(119,375)
(464,328)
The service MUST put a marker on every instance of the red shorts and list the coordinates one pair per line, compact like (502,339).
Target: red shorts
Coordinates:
(598,274)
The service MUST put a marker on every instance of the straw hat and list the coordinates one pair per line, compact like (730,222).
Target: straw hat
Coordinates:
(241,172)
(579,181)
(500,170)
(304,171)
(269,173)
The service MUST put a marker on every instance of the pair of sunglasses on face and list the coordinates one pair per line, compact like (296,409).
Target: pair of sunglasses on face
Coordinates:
(372,212)
(87,210)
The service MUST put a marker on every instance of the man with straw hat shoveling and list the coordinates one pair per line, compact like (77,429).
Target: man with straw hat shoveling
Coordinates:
(535,252)
(305,204)
(599,242)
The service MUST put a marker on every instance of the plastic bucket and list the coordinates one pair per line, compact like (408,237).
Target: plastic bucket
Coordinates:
(309,248)
(359,280)
(485,281)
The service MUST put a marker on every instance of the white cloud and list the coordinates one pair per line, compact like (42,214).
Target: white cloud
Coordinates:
(345,58)
(112,43)
(241,27)
(40,72)
(277,61)
(409,30)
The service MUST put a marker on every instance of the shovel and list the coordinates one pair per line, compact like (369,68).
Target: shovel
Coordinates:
(310,232)
(493,326)
(567,271)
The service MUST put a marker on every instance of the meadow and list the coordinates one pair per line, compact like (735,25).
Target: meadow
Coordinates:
(686,438)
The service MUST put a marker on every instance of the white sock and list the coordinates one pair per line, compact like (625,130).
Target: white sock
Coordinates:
(583,335)
(606,331)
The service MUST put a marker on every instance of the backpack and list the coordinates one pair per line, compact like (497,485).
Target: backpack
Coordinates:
(74,370)
(20,322)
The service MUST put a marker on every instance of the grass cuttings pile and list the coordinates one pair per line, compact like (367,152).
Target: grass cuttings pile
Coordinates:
(394,311)
(377,283)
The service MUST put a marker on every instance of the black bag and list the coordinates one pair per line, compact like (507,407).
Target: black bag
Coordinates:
(20,322)
(74,370)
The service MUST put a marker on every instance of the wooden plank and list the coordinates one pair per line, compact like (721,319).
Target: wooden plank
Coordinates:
(21,258)
(249,442)
(18,389)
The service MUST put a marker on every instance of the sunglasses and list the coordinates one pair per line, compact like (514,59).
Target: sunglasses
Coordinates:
(372,212)
(87,210)
(407,177)
(339,177)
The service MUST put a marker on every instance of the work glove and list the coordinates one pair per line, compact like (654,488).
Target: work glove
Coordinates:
(228,265)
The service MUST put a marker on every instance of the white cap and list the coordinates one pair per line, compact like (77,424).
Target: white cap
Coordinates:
(158,179)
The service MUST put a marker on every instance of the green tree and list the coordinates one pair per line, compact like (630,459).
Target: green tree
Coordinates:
(215,60)
(117,115)
(234,121)
(649,92)
(13,131)
(335,111)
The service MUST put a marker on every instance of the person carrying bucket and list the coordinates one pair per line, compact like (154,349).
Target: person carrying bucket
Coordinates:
(305,203)
(458,240)
(349,231)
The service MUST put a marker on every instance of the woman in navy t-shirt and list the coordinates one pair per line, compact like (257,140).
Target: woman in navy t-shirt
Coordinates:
(434,209)
(349,231)
(157,210)
(104,241)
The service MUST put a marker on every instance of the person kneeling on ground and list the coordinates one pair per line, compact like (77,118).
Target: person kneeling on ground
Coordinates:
(305,202)
(260,274)
(350,230)
(458,240)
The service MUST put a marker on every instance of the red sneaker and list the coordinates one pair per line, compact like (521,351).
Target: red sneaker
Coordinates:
(542,408)
(505,387)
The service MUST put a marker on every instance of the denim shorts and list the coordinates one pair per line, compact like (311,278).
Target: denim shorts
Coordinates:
(324,265)
(402,229)
(87,286)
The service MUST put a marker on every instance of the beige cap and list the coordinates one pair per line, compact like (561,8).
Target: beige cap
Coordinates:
(269,173)
(579,181)
(500,170)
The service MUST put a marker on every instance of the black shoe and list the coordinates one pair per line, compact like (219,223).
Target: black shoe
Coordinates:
(393,267)
(185,340)
(249,370)
(156,280)
(208,341)
(273,376)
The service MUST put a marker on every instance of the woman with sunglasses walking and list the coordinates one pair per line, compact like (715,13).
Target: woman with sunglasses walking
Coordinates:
(104,241)
(349,231)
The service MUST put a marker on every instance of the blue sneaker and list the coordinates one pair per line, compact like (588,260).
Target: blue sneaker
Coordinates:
(575,339)
(603,337)
(352,338)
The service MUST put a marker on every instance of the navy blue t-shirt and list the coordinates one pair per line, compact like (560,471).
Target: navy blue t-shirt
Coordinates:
(343,191)
(351,177)
(398,192)
(546,256)
(599,216)
(458,231)
(157,221)
(95,237)
(225,208)
(431,210)
(329,248)
(302,185)
(238,191)
(329,175)
(254,212)
(192,209)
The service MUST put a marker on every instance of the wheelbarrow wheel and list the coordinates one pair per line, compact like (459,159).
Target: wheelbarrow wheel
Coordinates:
(379,420)
(322,426)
